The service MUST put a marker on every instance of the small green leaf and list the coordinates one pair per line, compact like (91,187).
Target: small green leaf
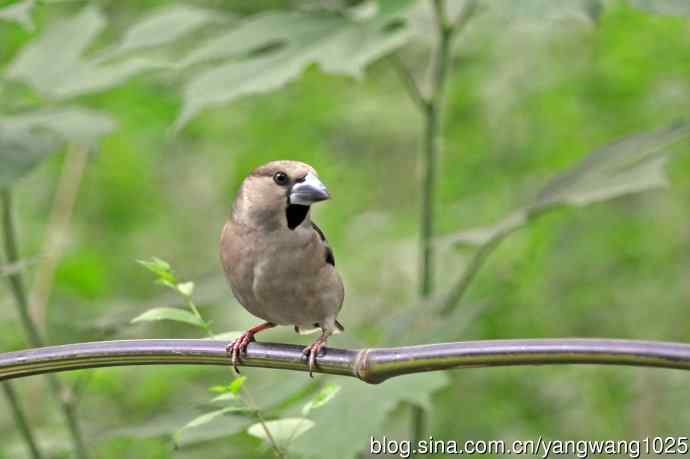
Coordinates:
(282,430)
(211,415)
(186,288)
(324,396)
(156,265)
(237,384)
(166,283)
(219,389)
(226,397)
(162,269)
(174,314)
(232,389)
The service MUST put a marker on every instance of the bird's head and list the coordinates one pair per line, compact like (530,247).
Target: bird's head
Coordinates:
(278,193)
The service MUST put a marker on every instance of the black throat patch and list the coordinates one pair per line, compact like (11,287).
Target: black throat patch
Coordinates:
(295,214)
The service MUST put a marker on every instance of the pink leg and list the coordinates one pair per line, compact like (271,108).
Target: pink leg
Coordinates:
(313,350)
(235,348)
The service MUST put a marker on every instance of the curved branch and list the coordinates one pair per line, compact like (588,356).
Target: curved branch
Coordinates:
(370,365)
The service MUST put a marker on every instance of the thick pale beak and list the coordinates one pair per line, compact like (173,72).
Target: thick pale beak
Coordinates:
(308,191)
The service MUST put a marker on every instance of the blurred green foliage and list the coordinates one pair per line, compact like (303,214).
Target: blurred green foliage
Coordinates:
(529,96)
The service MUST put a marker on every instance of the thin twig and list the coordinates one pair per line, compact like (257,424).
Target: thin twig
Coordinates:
(254,407)
(432,144)
(457,290)
(410,83)
(53,245)
(373,365)
(17,267)
(247,396)
(20,419)
(469,9)
(440,61)
(34,337)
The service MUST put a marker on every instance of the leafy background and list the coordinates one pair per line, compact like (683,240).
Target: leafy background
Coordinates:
(176,102)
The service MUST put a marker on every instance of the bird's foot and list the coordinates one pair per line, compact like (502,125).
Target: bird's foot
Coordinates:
(312,351)
(239,346)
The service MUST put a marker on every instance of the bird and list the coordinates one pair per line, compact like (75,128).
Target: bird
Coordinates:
(277,261)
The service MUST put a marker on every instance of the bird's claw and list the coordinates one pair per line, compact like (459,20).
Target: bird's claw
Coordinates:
(311,352)
(237,347)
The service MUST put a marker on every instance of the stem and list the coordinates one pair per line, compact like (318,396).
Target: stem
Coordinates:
(196,312)
(410,83)
(457,291)
(20,420)
(53,246)
(432,141)
(247,397)
(373,365)
(34,337)
(251,403)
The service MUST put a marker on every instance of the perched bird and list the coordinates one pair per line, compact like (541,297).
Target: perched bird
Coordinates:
(276,260)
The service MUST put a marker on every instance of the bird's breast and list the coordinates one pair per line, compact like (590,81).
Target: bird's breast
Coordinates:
(278,276)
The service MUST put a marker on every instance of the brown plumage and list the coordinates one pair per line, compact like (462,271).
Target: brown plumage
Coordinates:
(277,261)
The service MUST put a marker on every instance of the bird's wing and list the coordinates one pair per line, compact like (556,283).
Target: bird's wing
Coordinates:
(330,258)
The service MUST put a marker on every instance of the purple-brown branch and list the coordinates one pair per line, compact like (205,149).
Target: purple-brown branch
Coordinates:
(372,365)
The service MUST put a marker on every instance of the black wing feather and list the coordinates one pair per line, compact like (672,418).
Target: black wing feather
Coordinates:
(330,259)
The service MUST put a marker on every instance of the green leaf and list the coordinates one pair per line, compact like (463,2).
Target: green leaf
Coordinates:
(28,138)
(283,431)
(226,397)
(21,150)
(74,124)
(162,27)
(237,384)
(232,388)
(219,389)
(174,314)
(54,64)
(162,269)
(211,415)
(156,265)
(186,288)
(376,402)
(324,396)
(276,47)
(664,7)
(630,165)
(541,10)
(20,13)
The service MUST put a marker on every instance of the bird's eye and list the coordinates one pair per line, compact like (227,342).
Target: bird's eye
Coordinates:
(281,178)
